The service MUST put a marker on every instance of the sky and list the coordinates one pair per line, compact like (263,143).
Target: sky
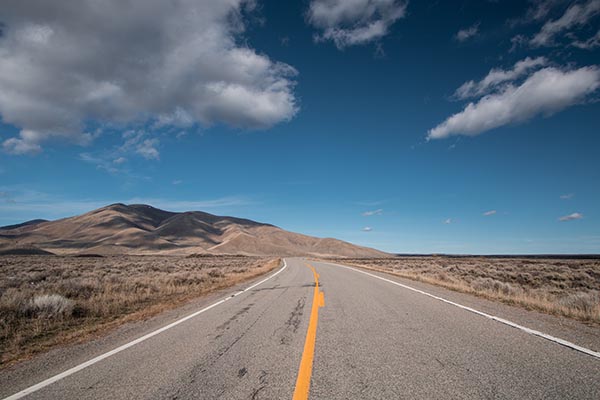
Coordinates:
(413,127)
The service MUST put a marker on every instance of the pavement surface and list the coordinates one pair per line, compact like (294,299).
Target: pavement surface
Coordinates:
(374,340)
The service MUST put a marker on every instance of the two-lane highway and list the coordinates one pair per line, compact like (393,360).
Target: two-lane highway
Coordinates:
(373,340)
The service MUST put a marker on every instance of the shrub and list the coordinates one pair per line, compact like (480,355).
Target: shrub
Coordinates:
(14,302)
(52,305)
(494,286)
(588,303)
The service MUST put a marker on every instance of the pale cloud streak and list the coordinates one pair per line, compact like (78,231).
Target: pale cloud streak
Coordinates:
(354,22)
(571,217)
(147,149)
(545,92)
(497,76)
(467,33)
(488,213)
(575,16)
(27,204)
(379,211)
(588,44)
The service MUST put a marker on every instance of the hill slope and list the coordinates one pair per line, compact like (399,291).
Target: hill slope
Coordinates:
(142,229)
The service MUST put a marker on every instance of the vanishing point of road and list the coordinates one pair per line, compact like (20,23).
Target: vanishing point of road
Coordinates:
(320,331)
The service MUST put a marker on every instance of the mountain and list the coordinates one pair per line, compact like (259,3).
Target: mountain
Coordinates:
(142,229)
(27,223)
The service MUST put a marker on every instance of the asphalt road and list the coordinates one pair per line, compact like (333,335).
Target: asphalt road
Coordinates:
(374,340)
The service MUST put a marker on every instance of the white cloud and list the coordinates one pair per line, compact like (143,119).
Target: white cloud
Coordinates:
(379,211)
(467,33)
(571,217)
(545,92)
(139,142)
(497,76)
(567,196)
(448,221)
(177,182)
(354,22)
(367,229)
(64,64)
(575,16)
(147,149)
(135,142)
(24,145)
(488,213)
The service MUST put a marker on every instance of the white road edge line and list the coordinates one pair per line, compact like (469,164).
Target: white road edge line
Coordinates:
(119,349)
(492,317)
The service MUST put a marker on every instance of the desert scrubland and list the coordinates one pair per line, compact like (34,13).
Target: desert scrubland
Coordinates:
(565,287)
(51,300)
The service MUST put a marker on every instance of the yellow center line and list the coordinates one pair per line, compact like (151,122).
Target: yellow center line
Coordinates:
(305,371)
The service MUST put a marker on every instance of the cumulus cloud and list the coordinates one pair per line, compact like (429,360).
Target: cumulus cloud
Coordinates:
(497,77)
(379,211)
(64,65)
(575,16)
(354,22)
(571,217)
(488,213)
(467,33)
(545,92)
(367,229)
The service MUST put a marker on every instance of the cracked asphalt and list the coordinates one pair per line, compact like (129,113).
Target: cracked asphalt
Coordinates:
(374,341)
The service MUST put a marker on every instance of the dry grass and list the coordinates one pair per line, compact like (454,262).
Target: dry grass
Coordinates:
(46,301)
(565,287)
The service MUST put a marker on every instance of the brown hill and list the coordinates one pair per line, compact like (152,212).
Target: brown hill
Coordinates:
(142,229)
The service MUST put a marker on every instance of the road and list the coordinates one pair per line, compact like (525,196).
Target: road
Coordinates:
(371,340)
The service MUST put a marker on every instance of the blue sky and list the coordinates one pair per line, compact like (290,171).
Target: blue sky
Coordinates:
(356,122)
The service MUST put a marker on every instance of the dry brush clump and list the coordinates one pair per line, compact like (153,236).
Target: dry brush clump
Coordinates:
(566,287)
(47,300)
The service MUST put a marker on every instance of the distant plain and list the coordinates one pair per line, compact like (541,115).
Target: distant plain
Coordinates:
(568,287)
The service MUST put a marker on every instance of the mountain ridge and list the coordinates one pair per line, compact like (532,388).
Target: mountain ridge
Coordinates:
(142,229)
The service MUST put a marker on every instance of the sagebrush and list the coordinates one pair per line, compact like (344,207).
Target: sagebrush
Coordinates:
(566,287)
(47,300)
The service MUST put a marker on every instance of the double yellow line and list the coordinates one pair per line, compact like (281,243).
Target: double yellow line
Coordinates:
(305,371)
